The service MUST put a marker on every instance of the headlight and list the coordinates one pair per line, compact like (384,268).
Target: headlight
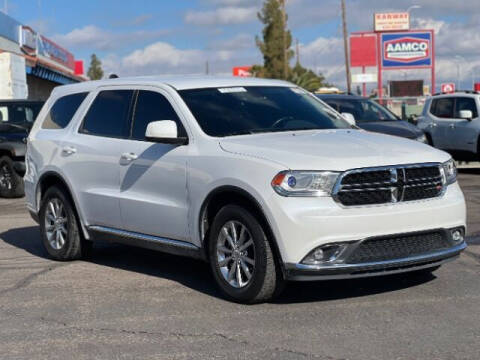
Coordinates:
(422,138)
(450,171)
(305,183)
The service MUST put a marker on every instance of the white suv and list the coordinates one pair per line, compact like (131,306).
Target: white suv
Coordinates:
(451,122)
(258,177)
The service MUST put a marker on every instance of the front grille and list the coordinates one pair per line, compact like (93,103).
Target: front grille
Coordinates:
(372,186)
(398,247)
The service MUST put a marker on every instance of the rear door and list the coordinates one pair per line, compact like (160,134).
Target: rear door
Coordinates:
(92,156)
(465,132)
(153,176)
(441,112)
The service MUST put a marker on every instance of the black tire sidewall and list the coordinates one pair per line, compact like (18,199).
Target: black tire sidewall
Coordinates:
(249,292)
(17,181)
(72,240)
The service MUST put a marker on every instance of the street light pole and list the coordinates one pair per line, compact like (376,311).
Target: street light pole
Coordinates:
(285,50)
(459,70)
(345,45)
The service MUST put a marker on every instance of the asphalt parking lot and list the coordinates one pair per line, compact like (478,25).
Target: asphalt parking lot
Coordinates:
(127,303)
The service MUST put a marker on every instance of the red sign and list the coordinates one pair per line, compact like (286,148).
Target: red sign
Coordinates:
(242,71)
(407,49)
(477,87)
(78,67)
(448,88)
(363,51)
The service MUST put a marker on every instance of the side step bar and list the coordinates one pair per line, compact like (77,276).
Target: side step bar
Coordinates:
(170,246)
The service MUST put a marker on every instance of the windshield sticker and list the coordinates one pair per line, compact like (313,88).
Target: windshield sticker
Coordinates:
(232,90)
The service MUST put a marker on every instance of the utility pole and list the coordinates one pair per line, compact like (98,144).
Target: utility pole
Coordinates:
(285,50)
(345,44)
(297,51)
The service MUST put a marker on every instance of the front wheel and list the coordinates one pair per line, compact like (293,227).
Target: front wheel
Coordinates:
(11,184)
(241,257)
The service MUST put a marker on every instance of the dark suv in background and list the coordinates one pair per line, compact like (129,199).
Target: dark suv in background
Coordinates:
(371,116)
(16,120)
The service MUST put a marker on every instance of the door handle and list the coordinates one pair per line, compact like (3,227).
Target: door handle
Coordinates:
(129,156)
(451,126)
(69,150)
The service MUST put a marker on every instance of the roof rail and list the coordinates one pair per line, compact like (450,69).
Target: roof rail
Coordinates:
(458,91)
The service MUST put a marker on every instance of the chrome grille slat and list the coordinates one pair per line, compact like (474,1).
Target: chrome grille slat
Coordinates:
(390,184)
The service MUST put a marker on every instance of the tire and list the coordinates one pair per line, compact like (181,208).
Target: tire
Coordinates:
(266,280)
(11,184)
(69,244)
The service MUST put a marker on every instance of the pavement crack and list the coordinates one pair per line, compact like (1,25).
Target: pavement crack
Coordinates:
(29,279)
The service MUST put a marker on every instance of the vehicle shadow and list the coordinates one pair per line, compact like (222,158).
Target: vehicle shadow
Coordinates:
(196,275)
(471,171)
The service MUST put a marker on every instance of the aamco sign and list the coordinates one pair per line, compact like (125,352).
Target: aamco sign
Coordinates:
(410,49)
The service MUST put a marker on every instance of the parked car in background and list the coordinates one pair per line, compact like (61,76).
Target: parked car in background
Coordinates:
(257,177)
(451,122)
(371,116)
(16,119)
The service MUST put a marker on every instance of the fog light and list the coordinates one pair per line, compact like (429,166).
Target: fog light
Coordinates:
(324,254)
(457,235)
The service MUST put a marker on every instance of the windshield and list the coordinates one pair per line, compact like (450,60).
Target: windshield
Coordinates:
(255,109)
(363,110)
(20,114)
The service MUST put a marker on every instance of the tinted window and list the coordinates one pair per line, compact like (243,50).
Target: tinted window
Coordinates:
(363,110)
(443,108)
(63,110)
(255,109)
(109,114)
(466,104)
(152,106)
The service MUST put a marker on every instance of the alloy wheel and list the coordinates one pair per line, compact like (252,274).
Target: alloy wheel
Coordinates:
(6,177)
(236,254)
(56,223)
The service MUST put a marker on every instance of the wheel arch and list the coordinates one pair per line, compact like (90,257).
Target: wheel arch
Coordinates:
(53,178)
(228,194)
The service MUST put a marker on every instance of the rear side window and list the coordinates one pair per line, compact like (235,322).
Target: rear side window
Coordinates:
(109,114)
(63,110)
(466,104)
(152,106)
(443,108)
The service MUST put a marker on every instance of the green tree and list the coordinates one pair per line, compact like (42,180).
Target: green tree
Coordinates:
(306,78)
(95,71)
(276,41)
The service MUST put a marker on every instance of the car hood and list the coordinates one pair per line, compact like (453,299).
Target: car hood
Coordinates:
(397,128)
(336,150)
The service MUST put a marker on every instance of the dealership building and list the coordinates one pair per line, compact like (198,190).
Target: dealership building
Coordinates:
(31,65)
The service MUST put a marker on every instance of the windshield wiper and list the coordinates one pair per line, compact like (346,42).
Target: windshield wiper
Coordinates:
(239,132)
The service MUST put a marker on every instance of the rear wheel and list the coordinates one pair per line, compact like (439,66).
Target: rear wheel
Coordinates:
(59,226)
(241,257)
(11,184)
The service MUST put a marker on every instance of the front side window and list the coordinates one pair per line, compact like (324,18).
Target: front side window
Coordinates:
(256,109)
(153,106)
(443,108)
(464,103)
(109,114)
(63,110)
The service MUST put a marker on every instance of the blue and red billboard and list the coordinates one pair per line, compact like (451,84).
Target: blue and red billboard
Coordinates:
(407,50)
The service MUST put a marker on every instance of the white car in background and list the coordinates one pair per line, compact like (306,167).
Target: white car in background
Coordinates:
(257,177)
(451,123)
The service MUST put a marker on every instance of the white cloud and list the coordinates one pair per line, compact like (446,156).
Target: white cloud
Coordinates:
(221,16)
(95,38)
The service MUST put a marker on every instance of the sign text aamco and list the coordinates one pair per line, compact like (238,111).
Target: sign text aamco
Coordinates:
(398,21)
(407,50)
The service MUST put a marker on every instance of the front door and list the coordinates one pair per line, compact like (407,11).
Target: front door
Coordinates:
(153,179)
(442,113)
(465,131)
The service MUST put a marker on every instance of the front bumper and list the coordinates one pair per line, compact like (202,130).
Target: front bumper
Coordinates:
(302,272)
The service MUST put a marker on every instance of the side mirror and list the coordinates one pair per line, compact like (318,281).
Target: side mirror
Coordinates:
(349,117)
(164,131)
(466,114)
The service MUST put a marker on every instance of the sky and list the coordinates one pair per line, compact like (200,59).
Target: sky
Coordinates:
(145,37)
